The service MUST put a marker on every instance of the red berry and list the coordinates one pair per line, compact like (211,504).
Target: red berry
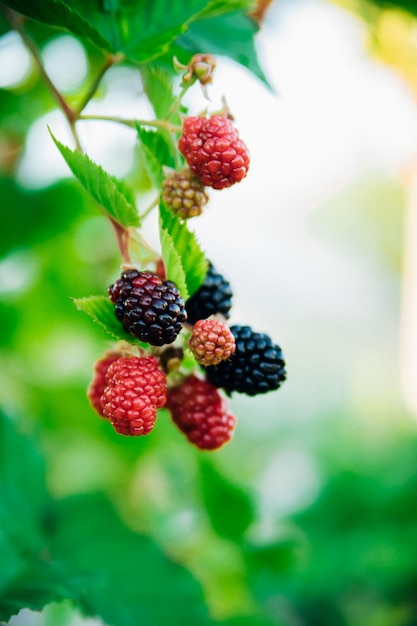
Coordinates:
(135,389)
(214,151)
(201,413)
(211,342)
(97,385)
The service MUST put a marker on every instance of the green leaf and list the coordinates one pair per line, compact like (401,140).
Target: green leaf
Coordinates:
(27,576)
(63,15)
(172,262)
(236,513)
(193,260)
(4,25)
(230,35)
(157,152)
(101,310)
(129,581)
(114,196)
(220,7)
(158,87)
(406,5)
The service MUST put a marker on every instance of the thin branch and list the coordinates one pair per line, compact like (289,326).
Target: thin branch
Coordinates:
(109,61)
(17,21)
(131,123)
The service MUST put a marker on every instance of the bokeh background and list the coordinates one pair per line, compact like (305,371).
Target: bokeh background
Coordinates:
(309,516)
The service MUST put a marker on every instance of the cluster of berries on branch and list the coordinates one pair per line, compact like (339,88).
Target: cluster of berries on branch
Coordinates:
(183,355)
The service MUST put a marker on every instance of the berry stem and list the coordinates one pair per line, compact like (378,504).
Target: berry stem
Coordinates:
(109,61)
(122,237)
(132,123)
(17,21)
(150,208)
(176,104)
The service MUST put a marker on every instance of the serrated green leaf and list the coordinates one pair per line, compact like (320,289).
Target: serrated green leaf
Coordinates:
(129,581)
(158,87)
(114,196)
(157,152)
(27,577)
(101,310)
(172,262)
(141,30)
(193,260)
(237,512)
(229,35)
(63,15)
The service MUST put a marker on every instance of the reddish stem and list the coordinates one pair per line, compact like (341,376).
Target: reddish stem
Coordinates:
(122,236)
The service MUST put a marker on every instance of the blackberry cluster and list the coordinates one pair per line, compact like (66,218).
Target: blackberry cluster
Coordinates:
(214,296)
(148,307)
(257,365)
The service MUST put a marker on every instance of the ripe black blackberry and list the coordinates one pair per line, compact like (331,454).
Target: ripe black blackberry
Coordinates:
(214,296)
(148,307)
(257,365)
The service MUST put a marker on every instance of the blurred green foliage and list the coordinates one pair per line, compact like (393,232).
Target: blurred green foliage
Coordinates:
(154,532)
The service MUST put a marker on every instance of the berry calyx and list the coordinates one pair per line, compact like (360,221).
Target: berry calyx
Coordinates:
(211,342)
(135,389)
(201,413)
(214,296)
(214,151)
(184,194)
(149,308)
(257,365)
(201,68)
(98,383)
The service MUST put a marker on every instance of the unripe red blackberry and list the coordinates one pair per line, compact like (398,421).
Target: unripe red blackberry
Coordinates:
(148,307)
(211,342)
(201,413)
(214,151)
(97,385)
(184,194)
(257,366)
(135,389)
(214,296)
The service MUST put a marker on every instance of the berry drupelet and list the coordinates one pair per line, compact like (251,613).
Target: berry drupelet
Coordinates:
(98,383)
(135,389)
(149,308)
(201,413)
(257,365)
(214,151)
(211,342)
(214,296)
(184,194)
